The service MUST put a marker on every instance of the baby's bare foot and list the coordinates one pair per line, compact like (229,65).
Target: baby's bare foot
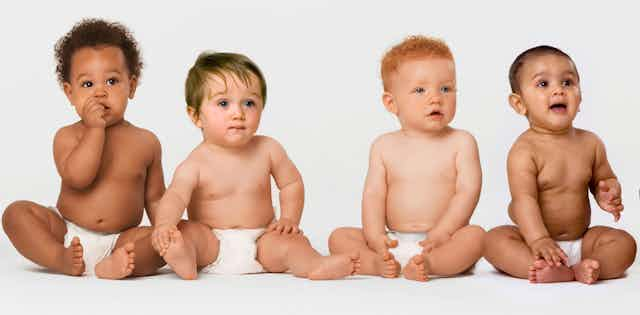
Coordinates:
(181,259)
(119,264)
(387,266)
(542,272)
(587,271)
(416,269)
(334,267)
(72,259)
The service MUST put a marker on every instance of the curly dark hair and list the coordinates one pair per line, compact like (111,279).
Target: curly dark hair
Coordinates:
(93,33)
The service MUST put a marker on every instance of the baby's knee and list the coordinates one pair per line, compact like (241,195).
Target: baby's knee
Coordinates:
(13,212)
(340,234)
(624,238)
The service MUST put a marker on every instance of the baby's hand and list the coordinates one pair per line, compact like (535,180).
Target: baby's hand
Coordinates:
(608,196)
(284,226)
(160,237)
(382,244)
(433,241)
(92,113)
(547,249)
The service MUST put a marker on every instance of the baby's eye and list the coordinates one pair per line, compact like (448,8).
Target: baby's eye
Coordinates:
(542,84)
(445,89)
(223,103)
(249,103)
(567,83)
(419,90)
(86,84)
(112,81)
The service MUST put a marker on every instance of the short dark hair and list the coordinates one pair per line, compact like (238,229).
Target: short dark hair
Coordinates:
(94,33)
(219,64)
(517,64)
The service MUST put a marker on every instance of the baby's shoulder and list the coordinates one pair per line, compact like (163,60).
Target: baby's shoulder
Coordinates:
(142,135)
(387,139)
(588,136)
(462,138)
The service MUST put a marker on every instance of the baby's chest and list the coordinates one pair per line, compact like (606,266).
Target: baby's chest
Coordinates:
(125,162)
(231,178)
(564,171)
(418,167)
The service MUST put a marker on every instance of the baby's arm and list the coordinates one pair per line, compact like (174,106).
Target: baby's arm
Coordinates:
(172,204)
(78,159)
(604,185)
(524,209)
(154,186)
(467,193)
(374,202)
(291,188)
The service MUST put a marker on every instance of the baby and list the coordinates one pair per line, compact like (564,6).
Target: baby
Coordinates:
(552,166)
(424,180)
(225,184)
(110,169)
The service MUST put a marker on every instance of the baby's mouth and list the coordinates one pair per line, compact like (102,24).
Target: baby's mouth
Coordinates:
(558,108)
(435,114)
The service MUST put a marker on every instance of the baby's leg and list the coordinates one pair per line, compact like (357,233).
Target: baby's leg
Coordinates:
(192,247)
(281,252)
(458,254)
(614,251)
(38,234)
(348,239)
(507,251)
(133,255)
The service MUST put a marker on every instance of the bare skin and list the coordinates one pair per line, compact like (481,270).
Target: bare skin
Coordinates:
(552,167)
(110,171)
(225,183)
(425,177)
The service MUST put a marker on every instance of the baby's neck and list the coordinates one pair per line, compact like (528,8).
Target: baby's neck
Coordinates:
(569,131)
(422,134)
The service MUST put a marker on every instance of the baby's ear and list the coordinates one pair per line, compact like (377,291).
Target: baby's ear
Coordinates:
(195,118)
(389,104)
(516,103)
(133,84)
(66,87)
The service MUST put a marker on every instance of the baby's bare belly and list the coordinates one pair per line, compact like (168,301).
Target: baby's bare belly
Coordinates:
(415,211)
(566,216)
(106,209)
(232,215)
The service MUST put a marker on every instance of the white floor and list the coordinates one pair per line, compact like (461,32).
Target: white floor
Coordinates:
(27,289)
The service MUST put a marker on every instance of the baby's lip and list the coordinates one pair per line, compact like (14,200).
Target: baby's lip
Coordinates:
(238,127)
(435,113)
(558,106)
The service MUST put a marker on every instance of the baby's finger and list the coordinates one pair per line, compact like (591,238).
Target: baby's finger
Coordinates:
(616,216)
(271,227)
(546,255)
(288,229)
(390,243)
(296,230)
(280,228)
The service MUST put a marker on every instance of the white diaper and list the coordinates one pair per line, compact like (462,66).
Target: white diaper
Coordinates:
(407,245)
(237,253)
(95,245)
(573,249)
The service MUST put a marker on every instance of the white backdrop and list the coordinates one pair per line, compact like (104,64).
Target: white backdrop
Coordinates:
(321,62)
